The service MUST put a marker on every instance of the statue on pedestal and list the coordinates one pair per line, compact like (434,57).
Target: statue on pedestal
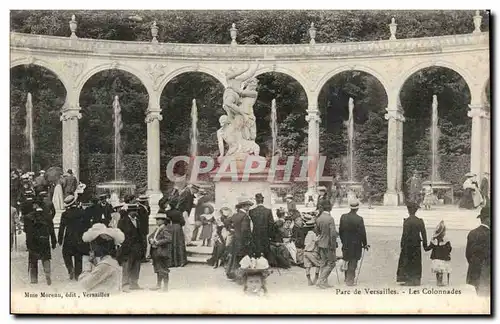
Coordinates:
(238,128)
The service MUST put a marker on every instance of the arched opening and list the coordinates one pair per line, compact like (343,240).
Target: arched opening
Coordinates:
(176,102)
(47,98)
(369,139)
(451,153)
(97,128)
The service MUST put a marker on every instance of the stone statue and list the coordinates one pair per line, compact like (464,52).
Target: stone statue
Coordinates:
(238,127)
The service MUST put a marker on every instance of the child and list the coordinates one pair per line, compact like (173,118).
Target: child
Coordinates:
(219,239)
(161,249)
(440,255)
(311,253)
(208,220)
(429,197)
(255,272)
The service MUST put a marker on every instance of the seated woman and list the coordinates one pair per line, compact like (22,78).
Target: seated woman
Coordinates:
(102,273)
(279,256)
(220,238)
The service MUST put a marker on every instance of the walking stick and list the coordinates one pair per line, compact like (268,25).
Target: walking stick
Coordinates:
(361,264)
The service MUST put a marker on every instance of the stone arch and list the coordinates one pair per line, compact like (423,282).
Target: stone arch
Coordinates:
(403,77)
(290,73)
(103,67)
(186,69)
(45,65)
(355,67)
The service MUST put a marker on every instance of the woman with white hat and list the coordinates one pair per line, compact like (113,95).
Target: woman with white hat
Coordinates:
(102,273)
(471,197)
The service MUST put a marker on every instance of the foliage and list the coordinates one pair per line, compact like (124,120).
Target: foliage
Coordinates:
(254,27)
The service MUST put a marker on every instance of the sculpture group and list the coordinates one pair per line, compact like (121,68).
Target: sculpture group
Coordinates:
(238,127)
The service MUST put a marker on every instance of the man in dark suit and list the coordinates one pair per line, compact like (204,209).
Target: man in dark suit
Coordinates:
(185,204)
(240,225)
(131,251)
(144,212)
(353,237)
(73,225)
(104,211)
(198,211)
(327,243)
(322,196)
(478,254)
(48,206)
(263,224)
(41,183)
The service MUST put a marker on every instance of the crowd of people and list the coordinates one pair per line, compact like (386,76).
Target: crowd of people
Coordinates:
(104,246)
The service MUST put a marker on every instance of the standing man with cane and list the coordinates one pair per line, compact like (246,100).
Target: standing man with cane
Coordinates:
(353,237)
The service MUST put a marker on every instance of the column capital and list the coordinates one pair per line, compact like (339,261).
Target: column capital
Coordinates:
(395,114)
(477,110)
(71,113)
(152,115)
(313,115)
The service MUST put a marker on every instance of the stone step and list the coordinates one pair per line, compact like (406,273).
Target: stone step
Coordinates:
(200,250)
(198,258)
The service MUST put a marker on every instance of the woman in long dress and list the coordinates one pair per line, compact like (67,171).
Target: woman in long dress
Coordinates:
(410,259)
(179,253)
(471,198)
(58,197)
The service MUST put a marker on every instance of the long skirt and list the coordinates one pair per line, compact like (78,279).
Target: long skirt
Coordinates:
(206,231)
(467,200)
(410,265)
(58,198)
(217,252)
(280,257)
(179,253)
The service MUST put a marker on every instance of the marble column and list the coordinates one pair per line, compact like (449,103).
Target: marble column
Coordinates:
(70,139)
(393,195)
(479,155)
(313,152)
(153,118)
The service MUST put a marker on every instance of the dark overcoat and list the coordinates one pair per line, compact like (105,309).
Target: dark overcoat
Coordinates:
(132,246)
(39,235)
(144,212)
(242,235)
(74,222)
(185,201)
(478,256)
(263,223)
(410,258)
(352,234)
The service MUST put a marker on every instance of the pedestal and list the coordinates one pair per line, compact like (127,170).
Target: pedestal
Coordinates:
(392,199)
(227,190)
(154,198)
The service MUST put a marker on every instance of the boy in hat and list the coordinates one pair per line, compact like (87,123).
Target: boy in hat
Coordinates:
(478,254)
(327,243)
(311,254)
(161,249)
(353,237)
(40,236)
(323,196)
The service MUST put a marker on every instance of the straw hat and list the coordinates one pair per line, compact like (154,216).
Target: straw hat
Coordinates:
(310,222)
(161,214)
(142,198)
(322,188)
(354,203)
(470,174)
(243,201)
(289,196)
(108,233)
(70,201)
(252,265)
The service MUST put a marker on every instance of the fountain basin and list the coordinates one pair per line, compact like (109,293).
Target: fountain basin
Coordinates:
(116,189)
(445,186)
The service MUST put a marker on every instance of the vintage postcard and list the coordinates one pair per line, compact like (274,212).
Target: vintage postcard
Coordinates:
(250,162)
